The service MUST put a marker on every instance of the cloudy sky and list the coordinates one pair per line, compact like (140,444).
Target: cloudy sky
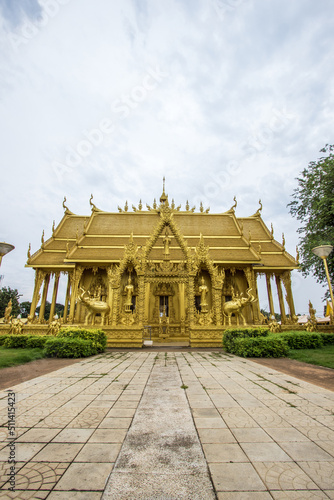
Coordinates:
(223,97)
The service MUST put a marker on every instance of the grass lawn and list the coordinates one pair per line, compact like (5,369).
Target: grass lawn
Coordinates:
(13,357)
(323,356)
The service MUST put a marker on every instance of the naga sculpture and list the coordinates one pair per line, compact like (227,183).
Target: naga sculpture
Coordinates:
(236,305)
(94,307)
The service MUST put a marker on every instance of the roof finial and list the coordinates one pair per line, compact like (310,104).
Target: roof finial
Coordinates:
(164,197)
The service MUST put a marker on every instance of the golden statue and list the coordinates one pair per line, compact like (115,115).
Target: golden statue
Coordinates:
(166,240)
(203,289)
(235,307)
(129,292)
(8,312)
(94,307)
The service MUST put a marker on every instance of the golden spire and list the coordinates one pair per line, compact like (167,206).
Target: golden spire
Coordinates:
(140,206)
(164,197)
(53,227)
(154,203)
(42,239)
(272,230)
(283,241)
(187,206)
(126,206)
(29,252)
(201,209)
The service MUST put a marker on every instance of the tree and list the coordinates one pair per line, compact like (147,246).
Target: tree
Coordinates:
(313,206)
(7,293)
(58,310)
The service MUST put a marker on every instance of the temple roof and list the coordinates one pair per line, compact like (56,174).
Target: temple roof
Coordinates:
(99,239)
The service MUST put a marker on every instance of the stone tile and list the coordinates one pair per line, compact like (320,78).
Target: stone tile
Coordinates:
(121,412)
(235,477)
(108,436)
(98,452)
(224,453)
(23,451)
(216,436)
(304,451)
(85,477)
(298,495)
(251,435)
(326,446)
(70,435)
(205,413)
(265,452)
(322,473)
(74,495)
(115,423)
(210,423)
(39,475)
(284,476)
(38,435)
(243,495)
(282,435)
(53,452)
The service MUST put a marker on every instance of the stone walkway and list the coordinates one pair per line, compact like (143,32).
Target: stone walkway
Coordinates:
(168,426)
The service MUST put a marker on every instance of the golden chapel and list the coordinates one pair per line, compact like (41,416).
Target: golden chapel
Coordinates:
(165,273)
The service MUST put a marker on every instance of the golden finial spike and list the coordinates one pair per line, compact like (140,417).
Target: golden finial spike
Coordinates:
(126,206)
(42,238)
(297,255)
(201,209)
(64,206)
(29,251)
(187,206)
(163,186)
(53,227)
(272,230)
(283,241)
(154,203)
(140,206)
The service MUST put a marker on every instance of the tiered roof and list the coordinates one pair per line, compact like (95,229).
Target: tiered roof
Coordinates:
(99,239)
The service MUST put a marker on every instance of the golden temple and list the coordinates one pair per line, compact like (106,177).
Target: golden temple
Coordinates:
(181,275)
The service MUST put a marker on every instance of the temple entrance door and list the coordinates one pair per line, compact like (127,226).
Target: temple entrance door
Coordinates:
(164,305)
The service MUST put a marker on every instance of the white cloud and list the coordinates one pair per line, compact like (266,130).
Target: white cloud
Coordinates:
(243,105)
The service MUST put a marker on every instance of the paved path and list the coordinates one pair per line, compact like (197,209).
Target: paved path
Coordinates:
(126,426)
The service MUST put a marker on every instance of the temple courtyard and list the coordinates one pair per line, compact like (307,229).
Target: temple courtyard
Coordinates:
(159,425)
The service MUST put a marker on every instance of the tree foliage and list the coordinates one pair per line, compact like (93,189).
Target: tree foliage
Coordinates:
(7,293)
(313,206)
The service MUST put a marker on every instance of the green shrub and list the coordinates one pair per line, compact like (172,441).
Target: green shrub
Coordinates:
(97,337)
(15,341)
(232,334)
(302,340)
(260,347)
(327,338)
(37,340)
(3,338)
(69,348)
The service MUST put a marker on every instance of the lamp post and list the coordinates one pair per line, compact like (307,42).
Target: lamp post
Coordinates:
(5,248)
(323,251)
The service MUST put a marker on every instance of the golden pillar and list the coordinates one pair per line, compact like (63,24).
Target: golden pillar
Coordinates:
(147,302)
(54,296)
(39,276)
(286,278)
(270,296)
(67,297)
(75,279)
(44,297)
(280,298)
